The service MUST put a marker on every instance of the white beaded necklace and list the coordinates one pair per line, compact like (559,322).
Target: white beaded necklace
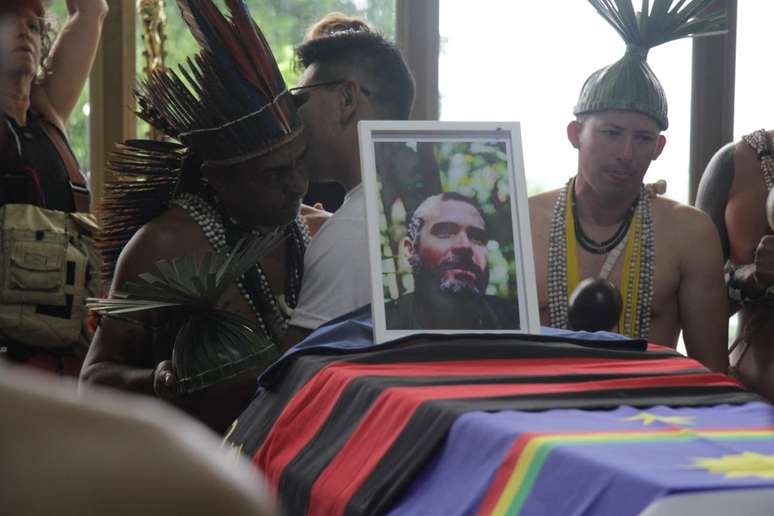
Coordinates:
(763,145)
(207,216)
(643,250)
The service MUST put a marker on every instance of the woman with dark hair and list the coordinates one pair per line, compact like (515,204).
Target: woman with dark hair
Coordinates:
(36,100)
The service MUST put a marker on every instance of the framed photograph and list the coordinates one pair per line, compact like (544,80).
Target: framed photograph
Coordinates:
(448,228)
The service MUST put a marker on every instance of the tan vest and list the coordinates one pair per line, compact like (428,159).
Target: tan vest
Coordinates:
(47,269)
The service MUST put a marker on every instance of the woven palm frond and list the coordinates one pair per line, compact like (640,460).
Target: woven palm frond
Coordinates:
(212,344)
(217,345)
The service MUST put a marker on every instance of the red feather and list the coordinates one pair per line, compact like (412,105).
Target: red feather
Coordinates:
(259,53)
(222,31)
(242,40)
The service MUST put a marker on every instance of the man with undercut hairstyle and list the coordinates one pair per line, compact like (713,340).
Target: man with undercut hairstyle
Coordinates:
(446,245)
(330,195)
(351,74)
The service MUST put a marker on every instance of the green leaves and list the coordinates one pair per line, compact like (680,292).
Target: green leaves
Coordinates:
(218,345)
(186,281)
(212,344)
(665,21)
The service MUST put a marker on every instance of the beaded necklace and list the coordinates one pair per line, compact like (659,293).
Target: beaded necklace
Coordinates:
(222,233)
(762,145)
(637,276)
(605,246)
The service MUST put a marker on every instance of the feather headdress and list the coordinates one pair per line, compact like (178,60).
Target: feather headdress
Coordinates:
(226,105)
(629,84)
(229,102)
(143,176)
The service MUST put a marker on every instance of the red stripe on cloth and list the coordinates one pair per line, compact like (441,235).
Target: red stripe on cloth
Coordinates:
(309,408)
(660,347)
(393,409)
(506,469)
(299,422)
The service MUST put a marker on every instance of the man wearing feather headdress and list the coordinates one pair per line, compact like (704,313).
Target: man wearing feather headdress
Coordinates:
(663,257)
(237,174)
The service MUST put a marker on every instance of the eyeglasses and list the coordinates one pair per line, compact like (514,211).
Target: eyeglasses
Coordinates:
(300,89)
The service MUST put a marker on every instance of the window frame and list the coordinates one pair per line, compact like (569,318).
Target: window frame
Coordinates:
(417,35)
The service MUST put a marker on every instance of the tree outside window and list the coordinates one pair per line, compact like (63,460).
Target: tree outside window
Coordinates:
(283,23)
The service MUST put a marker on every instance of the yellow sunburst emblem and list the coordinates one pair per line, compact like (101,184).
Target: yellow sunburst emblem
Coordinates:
(745,464)
(648,419)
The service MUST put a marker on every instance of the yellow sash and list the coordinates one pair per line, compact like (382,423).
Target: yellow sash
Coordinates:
(626,325)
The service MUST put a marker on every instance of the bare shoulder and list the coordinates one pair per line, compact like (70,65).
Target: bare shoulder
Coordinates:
(541,206)
(747,166)
(680,218)
(170,235)
(684,228)
(747,170)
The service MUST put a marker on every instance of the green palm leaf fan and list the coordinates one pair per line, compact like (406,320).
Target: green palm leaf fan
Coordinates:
(629,84)
(212,344)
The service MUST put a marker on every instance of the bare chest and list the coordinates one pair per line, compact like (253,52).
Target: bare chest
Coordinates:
(665,281)
(266,280)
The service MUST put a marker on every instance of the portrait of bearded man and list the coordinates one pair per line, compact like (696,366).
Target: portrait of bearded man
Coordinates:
(446,246)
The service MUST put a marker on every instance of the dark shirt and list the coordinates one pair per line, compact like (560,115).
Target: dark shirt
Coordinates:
(330,195)
(36,175)
(493,313)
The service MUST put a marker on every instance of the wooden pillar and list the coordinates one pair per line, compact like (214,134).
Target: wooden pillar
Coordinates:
(417,36)
(110,88)
(712,95)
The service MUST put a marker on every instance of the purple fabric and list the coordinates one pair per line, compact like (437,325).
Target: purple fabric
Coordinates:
(584,479)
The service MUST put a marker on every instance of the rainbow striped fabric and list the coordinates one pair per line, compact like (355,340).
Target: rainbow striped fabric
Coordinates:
(593,462)
(472,425)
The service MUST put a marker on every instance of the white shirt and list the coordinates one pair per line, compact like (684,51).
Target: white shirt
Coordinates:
(336,270)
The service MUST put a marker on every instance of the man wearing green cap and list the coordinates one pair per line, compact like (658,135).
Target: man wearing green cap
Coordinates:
(663,257)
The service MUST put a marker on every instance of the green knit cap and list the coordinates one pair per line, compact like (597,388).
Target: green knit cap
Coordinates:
(629,84)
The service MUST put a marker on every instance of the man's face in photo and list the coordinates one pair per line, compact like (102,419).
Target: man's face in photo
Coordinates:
(450,256)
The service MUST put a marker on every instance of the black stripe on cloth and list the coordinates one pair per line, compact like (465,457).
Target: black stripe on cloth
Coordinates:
(430,350)
(357,399)
(255,422)
(274,372)
(427,429)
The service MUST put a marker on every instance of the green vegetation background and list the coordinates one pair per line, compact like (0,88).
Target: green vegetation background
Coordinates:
(478,170)
(284,24)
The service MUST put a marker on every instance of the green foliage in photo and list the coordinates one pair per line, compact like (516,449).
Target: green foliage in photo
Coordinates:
(409,172)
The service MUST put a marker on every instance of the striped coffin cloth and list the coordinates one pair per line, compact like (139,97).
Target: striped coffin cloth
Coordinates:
(469,424)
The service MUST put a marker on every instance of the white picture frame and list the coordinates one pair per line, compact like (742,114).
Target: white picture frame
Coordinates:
(468,158)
